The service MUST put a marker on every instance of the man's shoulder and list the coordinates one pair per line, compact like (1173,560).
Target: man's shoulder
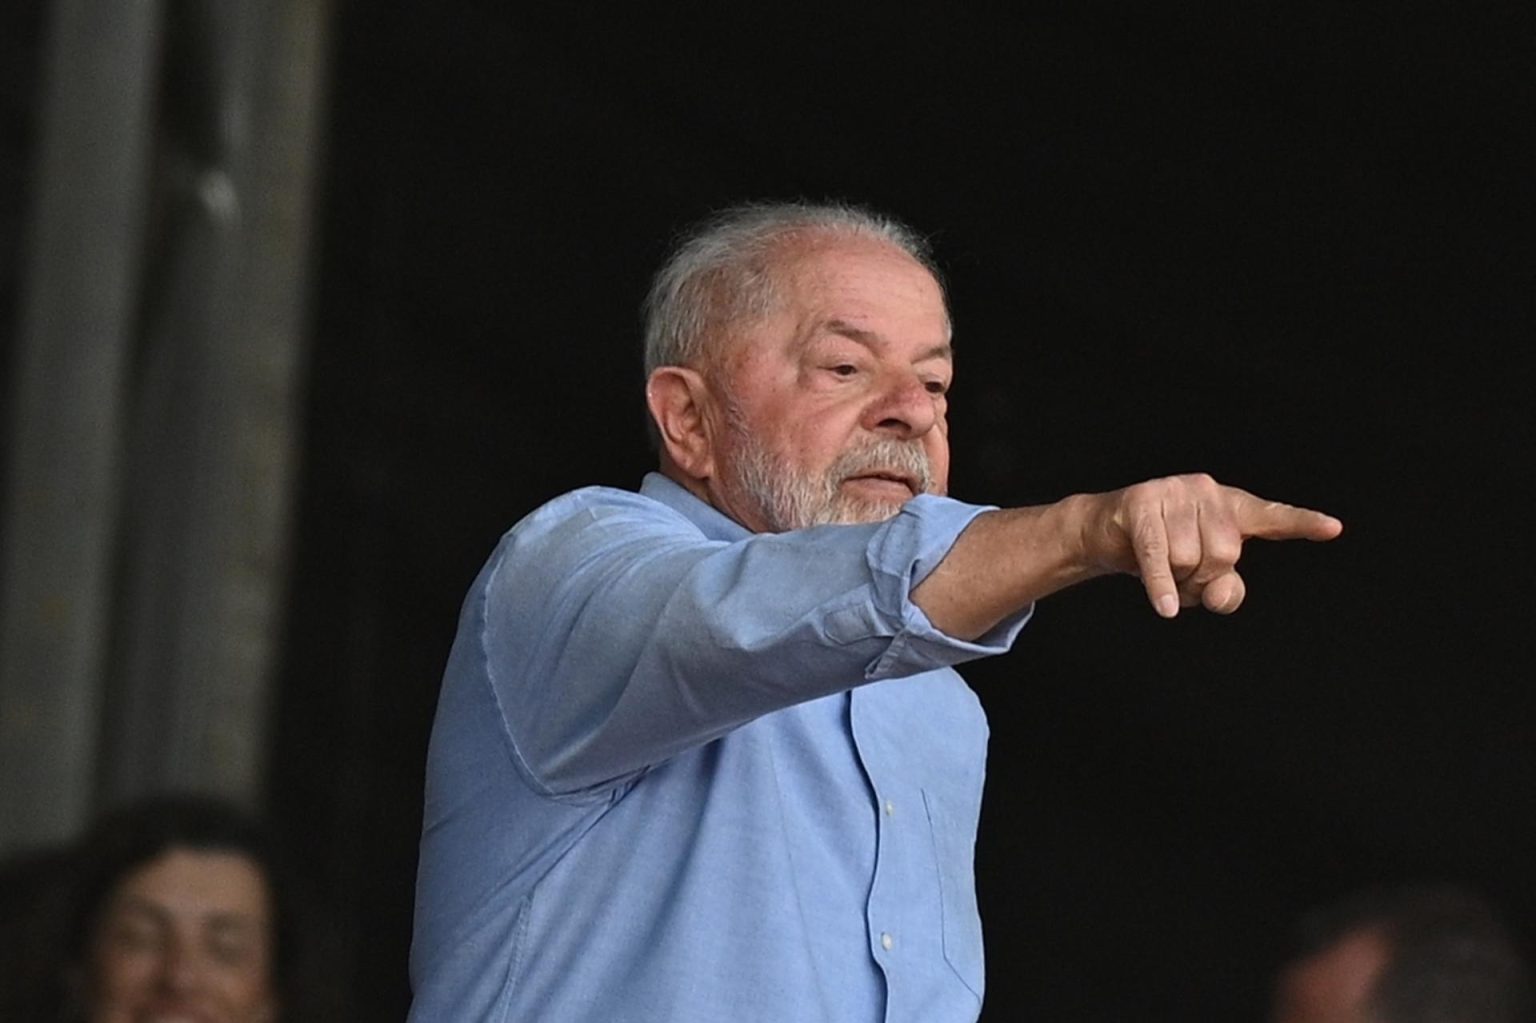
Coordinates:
(599,514)
(596,499)
(595,504)
(584,534)
(660,503)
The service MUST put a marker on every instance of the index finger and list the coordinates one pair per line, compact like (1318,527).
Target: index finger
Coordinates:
(1271,520)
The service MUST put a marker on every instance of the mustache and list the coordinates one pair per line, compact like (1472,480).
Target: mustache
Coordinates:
(904,458)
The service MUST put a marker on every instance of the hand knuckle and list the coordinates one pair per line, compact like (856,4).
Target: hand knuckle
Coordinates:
(1147,536)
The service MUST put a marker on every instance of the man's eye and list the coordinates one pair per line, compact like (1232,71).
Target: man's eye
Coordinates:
(137,936)
(845,370)
(936,387)
(231,953)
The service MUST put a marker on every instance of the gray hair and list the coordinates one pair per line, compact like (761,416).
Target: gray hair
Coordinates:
(722,272)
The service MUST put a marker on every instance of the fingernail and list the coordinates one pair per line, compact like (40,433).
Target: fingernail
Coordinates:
(1167,605)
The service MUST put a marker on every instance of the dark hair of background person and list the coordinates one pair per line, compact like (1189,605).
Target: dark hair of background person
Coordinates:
(1451,958)
(70,888)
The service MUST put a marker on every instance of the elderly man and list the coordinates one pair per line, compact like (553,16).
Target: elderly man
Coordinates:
(700,753)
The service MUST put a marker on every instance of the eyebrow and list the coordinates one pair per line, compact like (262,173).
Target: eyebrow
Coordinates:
(219,919)
(870,339)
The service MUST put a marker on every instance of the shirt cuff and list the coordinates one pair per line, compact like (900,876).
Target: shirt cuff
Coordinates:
(900,555)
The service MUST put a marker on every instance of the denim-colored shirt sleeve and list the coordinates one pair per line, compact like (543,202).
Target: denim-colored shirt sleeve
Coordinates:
(617,633)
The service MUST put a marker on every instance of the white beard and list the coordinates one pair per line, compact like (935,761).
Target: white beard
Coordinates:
(787,498)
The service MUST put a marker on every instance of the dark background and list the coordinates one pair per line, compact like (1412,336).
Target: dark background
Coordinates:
(1282,245)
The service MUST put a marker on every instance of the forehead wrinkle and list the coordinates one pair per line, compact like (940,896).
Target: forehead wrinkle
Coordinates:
(136,906)
(874,341)
(222,918)
(234,923)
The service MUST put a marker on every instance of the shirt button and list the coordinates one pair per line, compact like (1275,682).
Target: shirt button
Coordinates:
(886,941)
(890,808)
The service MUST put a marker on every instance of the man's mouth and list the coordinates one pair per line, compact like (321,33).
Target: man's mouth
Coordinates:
(177,1014)
(909,483)
(886,469)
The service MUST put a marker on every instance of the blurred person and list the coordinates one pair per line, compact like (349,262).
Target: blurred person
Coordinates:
(1410,955)
(700,752)
(179,909)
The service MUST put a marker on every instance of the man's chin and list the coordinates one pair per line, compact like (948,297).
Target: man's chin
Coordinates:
(854,512)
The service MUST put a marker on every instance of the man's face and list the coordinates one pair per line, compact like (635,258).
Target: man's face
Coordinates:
(833,406)
(185,938)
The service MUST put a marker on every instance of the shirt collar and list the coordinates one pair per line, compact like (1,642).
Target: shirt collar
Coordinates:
(712,522)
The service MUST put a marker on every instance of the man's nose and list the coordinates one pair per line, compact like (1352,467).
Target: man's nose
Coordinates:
(181,967)
(902,408)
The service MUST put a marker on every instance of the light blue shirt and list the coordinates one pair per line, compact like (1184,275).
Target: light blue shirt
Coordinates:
(660,790)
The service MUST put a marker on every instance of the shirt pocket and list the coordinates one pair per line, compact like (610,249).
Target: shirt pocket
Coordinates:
(954,851)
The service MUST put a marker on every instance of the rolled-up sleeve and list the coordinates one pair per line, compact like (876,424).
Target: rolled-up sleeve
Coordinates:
(619,629)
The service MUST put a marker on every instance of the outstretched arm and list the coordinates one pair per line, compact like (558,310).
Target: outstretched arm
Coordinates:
(1181,535)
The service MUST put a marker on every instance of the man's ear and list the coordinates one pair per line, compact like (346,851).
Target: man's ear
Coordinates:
(679,399)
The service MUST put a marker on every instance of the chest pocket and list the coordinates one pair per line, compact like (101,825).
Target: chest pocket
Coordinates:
(954,851)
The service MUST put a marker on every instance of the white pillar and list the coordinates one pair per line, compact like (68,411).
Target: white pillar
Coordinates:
(66,406)
(216,418)
(158,411)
